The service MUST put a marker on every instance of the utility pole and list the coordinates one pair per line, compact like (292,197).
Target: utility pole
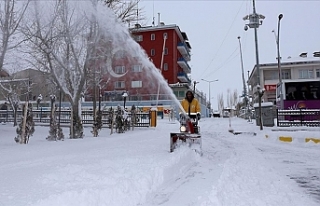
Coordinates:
(255,20)
(244,93)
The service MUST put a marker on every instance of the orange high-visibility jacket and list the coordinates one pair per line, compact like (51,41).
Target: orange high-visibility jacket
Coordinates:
(194,106)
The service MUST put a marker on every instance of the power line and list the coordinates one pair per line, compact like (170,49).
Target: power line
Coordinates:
(227,61)
(225,37)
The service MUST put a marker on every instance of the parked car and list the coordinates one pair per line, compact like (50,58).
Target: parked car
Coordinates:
(226,114)
(216,113)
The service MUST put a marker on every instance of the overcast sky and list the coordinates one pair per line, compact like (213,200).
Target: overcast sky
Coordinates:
(213,27)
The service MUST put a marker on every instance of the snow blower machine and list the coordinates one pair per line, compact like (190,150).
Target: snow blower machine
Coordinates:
(189,133)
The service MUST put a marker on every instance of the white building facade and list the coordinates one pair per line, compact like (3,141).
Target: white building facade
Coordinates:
(301,69)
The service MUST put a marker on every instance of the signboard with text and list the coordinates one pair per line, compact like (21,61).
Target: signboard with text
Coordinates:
(270,87)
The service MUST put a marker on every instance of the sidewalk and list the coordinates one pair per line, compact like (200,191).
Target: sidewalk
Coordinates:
(283,134)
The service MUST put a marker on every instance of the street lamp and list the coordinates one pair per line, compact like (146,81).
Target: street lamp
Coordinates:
(39,100)
(209,81)
(124,95)
(277,37)
(255,20)
(244,95)
(194,87)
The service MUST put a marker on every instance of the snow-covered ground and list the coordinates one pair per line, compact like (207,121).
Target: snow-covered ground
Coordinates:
(136,168)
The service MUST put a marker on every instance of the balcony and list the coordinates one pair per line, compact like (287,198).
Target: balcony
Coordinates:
(183,77)
(184,65)
(184,50)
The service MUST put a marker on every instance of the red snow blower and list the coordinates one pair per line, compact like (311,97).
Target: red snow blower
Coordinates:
(189,133)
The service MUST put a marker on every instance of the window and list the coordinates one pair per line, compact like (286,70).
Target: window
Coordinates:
(139,38)
(286,75)
(153,37)
(136,68)
(182,94)
(318,73)
(153,97)
(120,54)
(135,98)
(166,51)
(306,74)
(165,66)
(305,90)
(136,84)
(119,84)
(153,52)
(120,69)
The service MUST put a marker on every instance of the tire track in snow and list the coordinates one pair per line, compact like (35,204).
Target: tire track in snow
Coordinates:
(192,184)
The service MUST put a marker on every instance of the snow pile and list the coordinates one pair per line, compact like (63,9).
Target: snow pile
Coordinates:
(136,168)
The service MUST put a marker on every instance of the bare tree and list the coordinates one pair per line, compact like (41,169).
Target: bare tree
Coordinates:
(9,89)
(126,11)
(73,41)
(232,98)
(11,15)
(64,44)
(229,103)
(220,102)
(235,97)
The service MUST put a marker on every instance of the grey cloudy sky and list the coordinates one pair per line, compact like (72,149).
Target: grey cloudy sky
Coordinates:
(213,27)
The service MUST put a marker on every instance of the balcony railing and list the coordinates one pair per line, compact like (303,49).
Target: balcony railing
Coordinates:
(184,51)
(183,77)
(184,65)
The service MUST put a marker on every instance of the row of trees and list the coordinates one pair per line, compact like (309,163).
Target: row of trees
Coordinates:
(232,100)
(66,39)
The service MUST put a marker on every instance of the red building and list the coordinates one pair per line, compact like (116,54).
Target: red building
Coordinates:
(169,40)
(169,50)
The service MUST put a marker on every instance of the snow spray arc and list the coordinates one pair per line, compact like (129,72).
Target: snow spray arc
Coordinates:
(121,40)
(97,28)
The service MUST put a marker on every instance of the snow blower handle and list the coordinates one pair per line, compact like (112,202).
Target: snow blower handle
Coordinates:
(198,115)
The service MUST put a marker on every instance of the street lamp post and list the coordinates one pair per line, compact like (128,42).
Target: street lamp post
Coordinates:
(209,81)
(279,61)
(124,95)
(255,20)
(39,100)
(244,95)
(194,87)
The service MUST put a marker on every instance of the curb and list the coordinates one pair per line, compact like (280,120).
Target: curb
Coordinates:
(290,139)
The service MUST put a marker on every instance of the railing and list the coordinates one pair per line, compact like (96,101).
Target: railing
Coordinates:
(301,117)
(43,116)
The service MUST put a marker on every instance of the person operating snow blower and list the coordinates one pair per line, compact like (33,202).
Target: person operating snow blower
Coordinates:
(191,105)
(189,128)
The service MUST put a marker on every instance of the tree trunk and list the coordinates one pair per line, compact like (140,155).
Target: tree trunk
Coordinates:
(15,110)
(76,129)
(23,139)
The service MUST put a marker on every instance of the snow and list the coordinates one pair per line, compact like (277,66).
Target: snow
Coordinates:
(136,168)
(263,104)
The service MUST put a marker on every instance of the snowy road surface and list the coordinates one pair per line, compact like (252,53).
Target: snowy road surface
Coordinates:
(136,168)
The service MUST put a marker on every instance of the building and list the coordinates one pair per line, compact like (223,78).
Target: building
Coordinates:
(168,48)
(298,69)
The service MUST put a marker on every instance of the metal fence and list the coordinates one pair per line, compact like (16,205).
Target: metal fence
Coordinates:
(43,116)
(301,117)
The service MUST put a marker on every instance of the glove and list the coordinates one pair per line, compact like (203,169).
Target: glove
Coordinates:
(198,115)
